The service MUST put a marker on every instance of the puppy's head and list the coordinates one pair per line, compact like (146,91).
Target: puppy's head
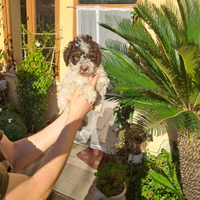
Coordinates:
(83,55)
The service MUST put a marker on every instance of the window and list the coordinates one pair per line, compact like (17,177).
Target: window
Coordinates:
(41,18)
(107,1)
(88,18)
(88,13)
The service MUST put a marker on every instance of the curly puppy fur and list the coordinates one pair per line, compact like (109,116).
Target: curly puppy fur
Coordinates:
(83,57)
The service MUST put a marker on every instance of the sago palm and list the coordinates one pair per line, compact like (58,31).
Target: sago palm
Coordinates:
(160,75)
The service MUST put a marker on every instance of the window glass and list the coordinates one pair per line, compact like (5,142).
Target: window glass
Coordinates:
(107,1)
(23,12)
(45,26)
(45,14)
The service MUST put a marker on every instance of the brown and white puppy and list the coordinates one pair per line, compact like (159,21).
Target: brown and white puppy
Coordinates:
(83,56)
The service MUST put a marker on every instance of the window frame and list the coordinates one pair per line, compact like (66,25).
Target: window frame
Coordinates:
(7,31)
(31,27)
(76,3)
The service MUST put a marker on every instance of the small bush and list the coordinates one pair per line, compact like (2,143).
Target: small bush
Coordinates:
(9,105)
(34,76)
(142,186)
(14,130)
(110,178)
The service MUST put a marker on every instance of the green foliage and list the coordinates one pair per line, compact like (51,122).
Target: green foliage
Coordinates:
(44,41)
(34,77)
(9,105)
(123,114)
(157,178)
(111,178)
(14,130)
(130,139)
(161,77)
(162,180)
(3,55)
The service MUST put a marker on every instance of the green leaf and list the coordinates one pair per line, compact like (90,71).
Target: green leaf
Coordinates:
(162,180)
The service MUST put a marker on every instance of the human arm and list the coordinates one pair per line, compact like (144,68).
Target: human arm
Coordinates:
(42,182)
(25,151)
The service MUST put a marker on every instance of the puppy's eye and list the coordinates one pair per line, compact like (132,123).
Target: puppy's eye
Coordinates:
(93,59)
(76,59)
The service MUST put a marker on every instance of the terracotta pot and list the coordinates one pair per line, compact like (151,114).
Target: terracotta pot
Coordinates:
(136,158)
(101,196)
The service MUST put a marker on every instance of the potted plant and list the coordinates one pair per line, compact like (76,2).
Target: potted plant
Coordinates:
(131,135)
(134,139)
(131,141)
(111,181)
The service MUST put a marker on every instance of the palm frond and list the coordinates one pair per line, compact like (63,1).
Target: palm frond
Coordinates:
(163,30)
(173,15)
(161,78)
(146,93)
(138,35)
(151,68)
(160,118)
(190,13)
(152,49)
(195,98)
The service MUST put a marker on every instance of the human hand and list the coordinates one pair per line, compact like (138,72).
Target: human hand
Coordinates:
(79,107)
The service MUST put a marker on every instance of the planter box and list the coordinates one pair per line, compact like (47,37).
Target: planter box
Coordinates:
(101,196)
(136,158)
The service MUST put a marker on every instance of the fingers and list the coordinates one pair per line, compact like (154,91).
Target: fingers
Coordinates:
(94,79)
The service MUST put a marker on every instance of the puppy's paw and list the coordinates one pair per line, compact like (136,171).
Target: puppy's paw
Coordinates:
(63,102)
(88,91)
(98,107)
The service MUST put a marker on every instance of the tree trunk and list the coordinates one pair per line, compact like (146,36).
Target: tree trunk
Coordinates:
(189,156)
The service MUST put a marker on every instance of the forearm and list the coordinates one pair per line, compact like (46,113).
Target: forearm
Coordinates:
(29,149)
(51,167)
(45,177)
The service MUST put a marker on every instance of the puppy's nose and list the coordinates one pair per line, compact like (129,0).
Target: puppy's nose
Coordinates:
(84,68)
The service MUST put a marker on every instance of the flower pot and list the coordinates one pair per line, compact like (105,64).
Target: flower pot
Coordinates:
(136,158)
(101,196)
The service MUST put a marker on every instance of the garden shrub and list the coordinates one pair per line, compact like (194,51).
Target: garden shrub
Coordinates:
(34,77)
(9,105)
(142,186)
(14,130)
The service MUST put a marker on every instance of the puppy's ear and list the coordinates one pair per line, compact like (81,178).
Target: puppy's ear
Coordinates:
(99,56)
(67,52)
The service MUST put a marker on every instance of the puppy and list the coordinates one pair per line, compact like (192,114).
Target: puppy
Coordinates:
(83,56)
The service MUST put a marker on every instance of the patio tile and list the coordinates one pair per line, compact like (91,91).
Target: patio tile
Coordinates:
(67,175)
(80,182)
(86,175)
(65,187)
(91,192)
(70,170)
(76,149)
(79,194)
(80,147)
(79,163)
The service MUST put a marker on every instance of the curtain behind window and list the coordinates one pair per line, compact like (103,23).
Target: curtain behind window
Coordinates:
(88,18)
(86,21)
